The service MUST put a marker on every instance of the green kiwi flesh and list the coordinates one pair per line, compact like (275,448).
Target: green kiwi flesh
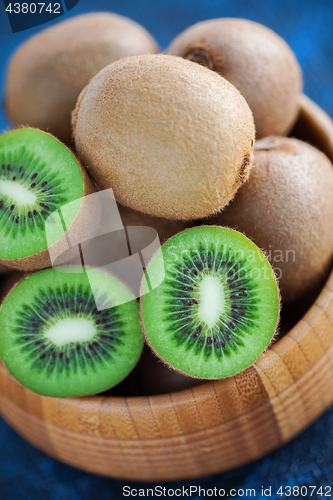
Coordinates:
(57,342)
(217,308)
(38,175)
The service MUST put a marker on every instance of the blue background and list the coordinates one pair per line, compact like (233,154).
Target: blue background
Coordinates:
(307,26)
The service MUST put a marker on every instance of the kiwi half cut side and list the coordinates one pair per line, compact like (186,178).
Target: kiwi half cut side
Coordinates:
(38,175)
(218,307)
(57,342)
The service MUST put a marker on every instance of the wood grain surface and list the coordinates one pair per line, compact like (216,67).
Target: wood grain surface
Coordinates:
(200,431)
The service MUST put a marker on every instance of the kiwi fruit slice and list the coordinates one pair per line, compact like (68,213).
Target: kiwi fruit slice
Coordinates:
(218,307)
(173,139)
(286,208)
(255,59)
(59,339)
(47,73)
(38,175)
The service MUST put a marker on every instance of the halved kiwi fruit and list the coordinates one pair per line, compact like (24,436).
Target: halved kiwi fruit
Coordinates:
(58,339)
(218,307)
(38,175)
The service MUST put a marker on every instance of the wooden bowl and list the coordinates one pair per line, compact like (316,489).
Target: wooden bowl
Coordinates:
(204,430)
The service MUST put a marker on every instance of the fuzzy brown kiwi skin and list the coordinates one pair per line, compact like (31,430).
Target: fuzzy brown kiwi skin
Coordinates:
(256,60)
(41,260)
(287,206)
(274,338)
(75,111)
(46,74)
(202,158)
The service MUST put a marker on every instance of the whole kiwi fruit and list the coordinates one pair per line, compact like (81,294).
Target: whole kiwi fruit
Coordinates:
(255,59)
(171,138)
(46,74)
(286,207)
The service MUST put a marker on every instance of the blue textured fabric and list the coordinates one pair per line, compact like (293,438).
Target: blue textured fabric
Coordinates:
(307,25)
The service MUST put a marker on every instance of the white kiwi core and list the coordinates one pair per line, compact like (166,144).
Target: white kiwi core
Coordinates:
(20,195)
(211,300)
(69,330)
